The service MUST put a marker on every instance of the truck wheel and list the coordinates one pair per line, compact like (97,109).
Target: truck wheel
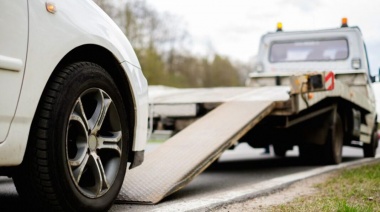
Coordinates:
(77,150)
(280,150)
(370,149)
(333,147)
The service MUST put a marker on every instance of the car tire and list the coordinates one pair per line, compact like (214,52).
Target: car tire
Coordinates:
(76,156)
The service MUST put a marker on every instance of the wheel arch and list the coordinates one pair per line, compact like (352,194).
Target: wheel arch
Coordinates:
(104,58)
(346,110)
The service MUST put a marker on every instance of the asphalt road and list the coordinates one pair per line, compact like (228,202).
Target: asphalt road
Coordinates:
(240,167)
(236,168)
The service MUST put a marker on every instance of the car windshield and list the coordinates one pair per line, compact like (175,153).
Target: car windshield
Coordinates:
(309,50)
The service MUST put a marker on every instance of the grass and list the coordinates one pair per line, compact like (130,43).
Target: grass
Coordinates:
(351,190)
(156,141)
(159,137)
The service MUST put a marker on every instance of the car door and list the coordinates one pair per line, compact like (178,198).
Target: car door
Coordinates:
(13,47)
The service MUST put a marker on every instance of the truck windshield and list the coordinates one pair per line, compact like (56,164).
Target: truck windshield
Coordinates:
(309,50)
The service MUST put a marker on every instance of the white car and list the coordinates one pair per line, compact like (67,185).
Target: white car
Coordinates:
(73,108)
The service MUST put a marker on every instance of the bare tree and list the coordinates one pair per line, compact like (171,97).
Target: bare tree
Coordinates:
(159,41)
(114,10)
(146,27)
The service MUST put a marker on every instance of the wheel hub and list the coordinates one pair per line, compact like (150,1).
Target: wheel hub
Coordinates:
(92,143)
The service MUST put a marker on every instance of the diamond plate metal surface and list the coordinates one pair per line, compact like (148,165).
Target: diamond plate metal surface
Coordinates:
(176,162)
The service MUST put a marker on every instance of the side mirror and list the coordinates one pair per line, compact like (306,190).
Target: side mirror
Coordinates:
(373,78)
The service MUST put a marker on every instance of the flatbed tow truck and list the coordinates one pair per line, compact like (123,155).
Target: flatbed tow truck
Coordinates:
(310,89)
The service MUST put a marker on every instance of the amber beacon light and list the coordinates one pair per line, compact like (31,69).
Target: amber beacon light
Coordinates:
(279,27)
(344,22)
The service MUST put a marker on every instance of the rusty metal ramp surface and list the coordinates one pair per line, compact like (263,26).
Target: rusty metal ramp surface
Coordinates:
(177,161)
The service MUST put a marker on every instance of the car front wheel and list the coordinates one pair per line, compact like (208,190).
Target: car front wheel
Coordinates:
(77,150)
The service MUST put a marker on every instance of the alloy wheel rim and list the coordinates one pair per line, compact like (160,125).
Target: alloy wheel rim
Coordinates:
(94,143)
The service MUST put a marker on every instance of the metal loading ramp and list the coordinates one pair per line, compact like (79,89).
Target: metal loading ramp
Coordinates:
(181,158)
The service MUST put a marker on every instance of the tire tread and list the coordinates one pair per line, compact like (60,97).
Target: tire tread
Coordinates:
(37,164)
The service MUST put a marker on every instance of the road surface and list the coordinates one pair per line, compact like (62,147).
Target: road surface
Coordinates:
(241,167)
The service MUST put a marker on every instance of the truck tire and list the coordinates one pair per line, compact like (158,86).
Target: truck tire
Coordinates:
(280,150)
(332,148)
(328,153)
(369,150)
(76,156)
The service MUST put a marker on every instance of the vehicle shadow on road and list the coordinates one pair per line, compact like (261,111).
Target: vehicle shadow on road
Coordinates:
(259,163)
(9,199)
(12,203)
(268,163)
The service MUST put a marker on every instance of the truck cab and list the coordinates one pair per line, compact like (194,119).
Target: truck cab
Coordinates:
(340,49)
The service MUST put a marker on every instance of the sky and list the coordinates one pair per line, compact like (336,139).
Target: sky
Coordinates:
(234,27)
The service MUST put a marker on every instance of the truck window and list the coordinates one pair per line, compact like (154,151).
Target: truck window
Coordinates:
(309,50)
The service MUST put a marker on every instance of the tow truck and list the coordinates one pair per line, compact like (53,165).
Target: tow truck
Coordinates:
(310,89)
